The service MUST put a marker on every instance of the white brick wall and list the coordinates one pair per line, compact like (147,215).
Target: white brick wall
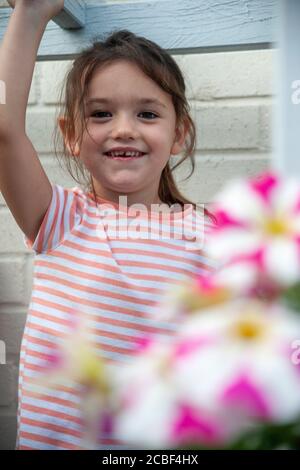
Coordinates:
(231,100)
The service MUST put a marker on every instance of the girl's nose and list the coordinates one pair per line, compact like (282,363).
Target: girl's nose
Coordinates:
(125,128)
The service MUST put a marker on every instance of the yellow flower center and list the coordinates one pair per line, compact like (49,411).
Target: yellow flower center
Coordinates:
(251,323)
(276,227)
(248,329)
(91,369)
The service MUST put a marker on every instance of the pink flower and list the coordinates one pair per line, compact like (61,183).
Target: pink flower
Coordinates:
(258,232)
(229,368)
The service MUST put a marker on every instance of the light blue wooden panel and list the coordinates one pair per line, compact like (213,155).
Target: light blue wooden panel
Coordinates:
(72,16)
(179,26)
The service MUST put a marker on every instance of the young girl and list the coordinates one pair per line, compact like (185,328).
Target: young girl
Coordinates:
(125,118)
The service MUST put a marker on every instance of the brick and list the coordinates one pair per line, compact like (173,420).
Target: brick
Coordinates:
(266,118)
(56,173)
(11,330)
(226,126)
(228,74)
(10,234)
(13,281)
(52,78)
(33,94)
(40,125)
(213,171)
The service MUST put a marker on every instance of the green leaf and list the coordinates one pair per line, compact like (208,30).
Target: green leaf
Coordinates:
(291,297)
(263,437)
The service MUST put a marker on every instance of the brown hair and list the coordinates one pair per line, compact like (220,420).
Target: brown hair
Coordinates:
(157,64)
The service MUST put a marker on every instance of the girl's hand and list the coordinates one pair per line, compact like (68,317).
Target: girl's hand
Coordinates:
(44,8)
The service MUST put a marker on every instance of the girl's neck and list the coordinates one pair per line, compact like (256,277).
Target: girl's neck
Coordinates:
(146,199)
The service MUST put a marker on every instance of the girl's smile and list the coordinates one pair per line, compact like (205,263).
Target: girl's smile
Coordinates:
(125,159)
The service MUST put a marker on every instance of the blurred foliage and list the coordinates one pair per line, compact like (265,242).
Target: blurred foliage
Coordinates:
(291,297)
(263,437)
(269,437)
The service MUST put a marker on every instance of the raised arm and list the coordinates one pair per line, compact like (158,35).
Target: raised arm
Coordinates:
(23,182)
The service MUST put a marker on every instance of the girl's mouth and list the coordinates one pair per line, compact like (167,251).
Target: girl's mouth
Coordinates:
(124,157)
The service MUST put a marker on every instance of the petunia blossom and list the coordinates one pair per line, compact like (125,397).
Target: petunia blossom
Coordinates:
(229,368)
(258,232)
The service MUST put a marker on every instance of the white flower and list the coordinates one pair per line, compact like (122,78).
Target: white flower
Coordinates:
(229,368)
(259,231)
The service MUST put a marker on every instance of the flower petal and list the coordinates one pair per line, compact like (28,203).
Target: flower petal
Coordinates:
(285,197)
(226,246)
(239,277)
(192,427)
(282,261)
(264,186)
(241,202)
(242,392)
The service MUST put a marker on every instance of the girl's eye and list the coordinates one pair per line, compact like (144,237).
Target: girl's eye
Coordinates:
(99,112)
(149,112)
(106,112)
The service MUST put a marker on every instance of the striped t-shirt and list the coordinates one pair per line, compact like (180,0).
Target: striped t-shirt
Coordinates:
(114,266)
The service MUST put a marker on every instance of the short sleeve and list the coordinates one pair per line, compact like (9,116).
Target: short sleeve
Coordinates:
(64,213)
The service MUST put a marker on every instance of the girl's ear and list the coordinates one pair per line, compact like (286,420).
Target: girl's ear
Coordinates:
(180,136)
(73,150)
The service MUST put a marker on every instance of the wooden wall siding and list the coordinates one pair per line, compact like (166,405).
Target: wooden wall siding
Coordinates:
(179,26)
(72,16)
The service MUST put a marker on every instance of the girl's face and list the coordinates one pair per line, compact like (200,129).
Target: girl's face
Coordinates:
(123,120)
